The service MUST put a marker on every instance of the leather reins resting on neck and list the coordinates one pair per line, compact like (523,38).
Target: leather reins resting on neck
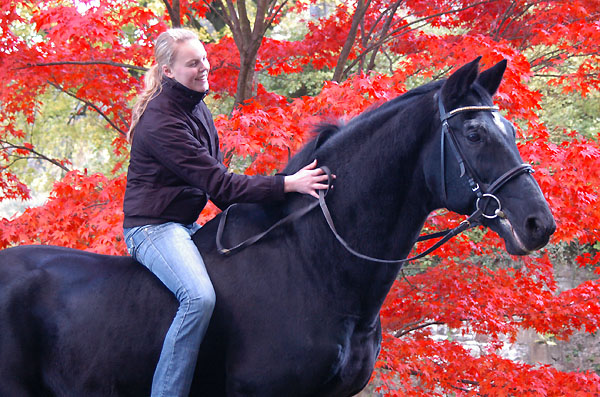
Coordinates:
(465,169)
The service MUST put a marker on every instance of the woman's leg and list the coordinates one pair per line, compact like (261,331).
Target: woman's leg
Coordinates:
(169,252)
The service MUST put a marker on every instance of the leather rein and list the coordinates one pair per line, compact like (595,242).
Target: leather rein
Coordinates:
(474,219)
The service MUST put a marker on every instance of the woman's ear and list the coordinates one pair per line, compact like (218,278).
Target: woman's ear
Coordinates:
(167,71)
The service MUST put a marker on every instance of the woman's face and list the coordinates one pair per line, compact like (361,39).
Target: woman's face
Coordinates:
(190,66)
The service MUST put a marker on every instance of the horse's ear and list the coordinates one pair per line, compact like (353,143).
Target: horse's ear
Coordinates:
(459,83)
(490,79)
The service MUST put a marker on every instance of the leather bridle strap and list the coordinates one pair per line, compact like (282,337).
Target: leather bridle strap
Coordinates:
(447,235)
(289,218)
(464,165)
(507,176)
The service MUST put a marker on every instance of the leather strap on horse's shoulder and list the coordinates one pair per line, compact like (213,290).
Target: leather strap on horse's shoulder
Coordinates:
(289,218)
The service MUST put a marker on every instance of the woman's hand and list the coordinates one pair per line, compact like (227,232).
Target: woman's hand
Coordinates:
(307,180)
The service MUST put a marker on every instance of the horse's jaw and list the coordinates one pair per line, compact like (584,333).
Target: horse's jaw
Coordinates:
(516,241)
(514,245)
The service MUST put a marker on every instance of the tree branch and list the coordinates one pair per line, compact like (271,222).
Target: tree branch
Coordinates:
(359,14)
(465,381)
(39,156)
(273,12)
(413,327)
(551,76)
(90,104)
(260,27)
(174,12)
(391,35)
(242,16)
(543,60)
(386,26)
(110,63)
(219,10)
(100,204)
(504,19)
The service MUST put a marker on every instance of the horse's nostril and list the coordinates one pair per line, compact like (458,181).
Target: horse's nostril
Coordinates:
(538,229)
(533,225)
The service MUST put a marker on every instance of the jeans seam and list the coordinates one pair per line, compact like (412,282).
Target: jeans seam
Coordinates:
(159,252)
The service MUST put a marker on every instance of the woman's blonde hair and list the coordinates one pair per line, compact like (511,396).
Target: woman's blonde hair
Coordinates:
(165,50)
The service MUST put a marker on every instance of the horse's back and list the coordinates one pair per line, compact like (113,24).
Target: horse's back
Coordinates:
(63,316)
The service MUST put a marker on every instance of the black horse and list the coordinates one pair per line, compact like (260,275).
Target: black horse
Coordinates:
(296,313)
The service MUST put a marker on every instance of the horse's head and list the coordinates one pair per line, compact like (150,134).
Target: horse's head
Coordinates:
(481,167)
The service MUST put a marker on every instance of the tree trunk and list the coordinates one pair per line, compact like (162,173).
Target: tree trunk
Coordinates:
(359,14)
(174,12)
(382,34)
(245,83)
(247,37)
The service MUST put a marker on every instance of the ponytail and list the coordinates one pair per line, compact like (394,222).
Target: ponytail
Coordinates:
(152,87)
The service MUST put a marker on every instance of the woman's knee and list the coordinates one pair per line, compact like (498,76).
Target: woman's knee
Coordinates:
(200,299)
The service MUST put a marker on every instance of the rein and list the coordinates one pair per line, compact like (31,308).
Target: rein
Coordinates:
(465,169)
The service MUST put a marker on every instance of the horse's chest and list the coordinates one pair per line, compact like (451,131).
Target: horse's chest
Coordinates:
(356,361)
(331,361)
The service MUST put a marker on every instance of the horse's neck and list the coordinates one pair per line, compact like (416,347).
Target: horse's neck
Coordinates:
(379,204)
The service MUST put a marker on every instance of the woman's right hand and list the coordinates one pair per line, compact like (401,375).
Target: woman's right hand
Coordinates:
(308,180)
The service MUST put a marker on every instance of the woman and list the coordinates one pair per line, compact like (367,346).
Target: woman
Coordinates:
(175,167)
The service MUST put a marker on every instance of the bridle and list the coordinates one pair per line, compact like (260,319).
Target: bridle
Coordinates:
(482,191)
(475,184)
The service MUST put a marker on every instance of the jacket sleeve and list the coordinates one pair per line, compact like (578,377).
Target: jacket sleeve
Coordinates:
(173,144)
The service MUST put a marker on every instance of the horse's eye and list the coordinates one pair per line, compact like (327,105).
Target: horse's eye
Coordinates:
(474,137)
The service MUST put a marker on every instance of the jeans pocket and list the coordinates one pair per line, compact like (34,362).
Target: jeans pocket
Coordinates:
(131,250)
(133,238)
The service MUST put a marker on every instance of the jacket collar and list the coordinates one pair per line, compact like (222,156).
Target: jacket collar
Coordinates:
(183,95)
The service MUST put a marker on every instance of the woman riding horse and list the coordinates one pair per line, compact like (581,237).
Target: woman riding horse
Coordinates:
(175,165)
(296,314)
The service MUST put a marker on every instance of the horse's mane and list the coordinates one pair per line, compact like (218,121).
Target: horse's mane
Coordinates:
(331,130)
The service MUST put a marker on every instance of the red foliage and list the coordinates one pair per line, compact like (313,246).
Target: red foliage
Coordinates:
(83,212)
(538,38)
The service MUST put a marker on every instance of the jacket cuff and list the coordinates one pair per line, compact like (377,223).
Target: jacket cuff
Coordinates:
(278,187)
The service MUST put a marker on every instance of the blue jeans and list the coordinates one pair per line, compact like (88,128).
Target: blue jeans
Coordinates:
(169,252)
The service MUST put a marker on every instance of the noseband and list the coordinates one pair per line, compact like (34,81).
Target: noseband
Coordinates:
(479,189)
